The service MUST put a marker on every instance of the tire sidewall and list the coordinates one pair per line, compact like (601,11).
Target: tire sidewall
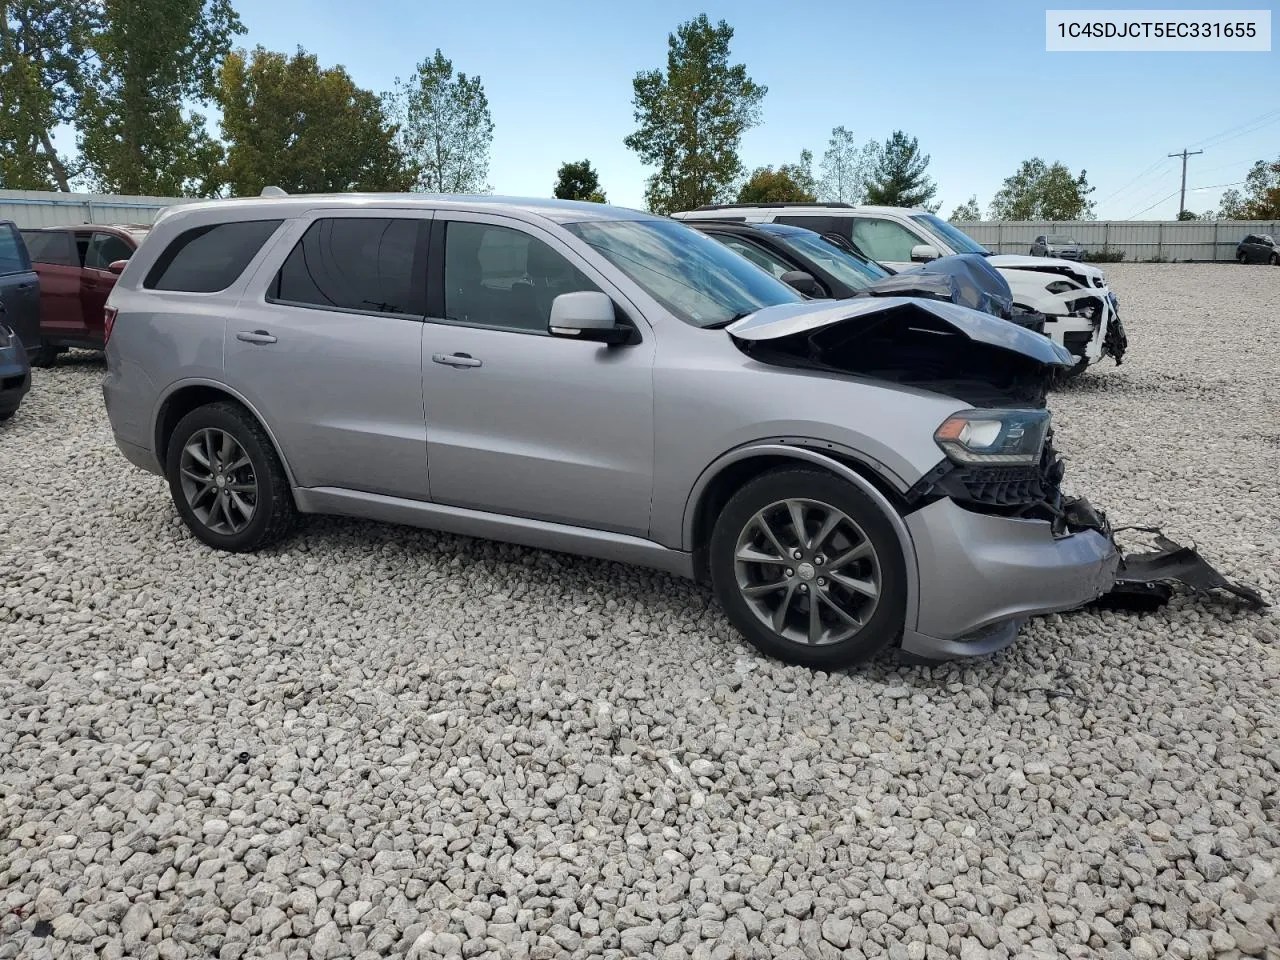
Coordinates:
(886,623)
(221,417)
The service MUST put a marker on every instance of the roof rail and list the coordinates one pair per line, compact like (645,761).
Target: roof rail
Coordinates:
(803,203)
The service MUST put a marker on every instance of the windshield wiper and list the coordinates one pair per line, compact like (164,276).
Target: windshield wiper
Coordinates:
(721,324)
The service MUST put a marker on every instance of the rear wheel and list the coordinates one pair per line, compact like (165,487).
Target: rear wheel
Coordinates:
(226,480)
(44,355)
(808,568)
(1275,259)
(1241,256)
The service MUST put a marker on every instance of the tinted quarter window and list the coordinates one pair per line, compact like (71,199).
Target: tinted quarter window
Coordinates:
(370,264)
(210,258)
(105,249)
(500,277)
(12,255)
(818,224)
(51,246)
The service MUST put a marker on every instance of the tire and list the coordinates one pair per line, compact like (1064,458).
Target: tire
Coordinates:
(7,415)
(1240,256)
(1275,260)
(44,355)
(258,482)
(864,531)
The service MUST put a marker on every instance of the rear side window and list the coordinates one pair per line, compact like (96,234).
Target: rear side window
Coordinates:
(817,223)
(208,259)
(13,258)
(367,264)
(51,246)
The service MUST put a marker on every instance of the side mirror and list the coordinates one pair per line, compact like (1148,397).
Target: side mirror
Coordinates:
(923,253)
(804,282)
(586,315)
(117,266)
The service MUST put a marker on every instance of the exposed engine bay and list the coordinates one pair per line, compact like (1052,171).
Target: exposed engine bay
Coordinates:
(938,347)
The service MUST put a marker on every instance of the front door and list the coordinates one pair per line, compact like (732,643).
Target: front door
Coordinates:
(886,241)
(330,352)
(96,281)
(521,423)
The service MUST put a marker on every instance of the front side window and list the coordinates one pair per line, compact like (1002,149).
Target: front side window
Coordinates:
(209,258)
(51,246)
(884,240)
(504,278)
(699,280)
(105,249)
(957,239)
(11,253)
(369,264)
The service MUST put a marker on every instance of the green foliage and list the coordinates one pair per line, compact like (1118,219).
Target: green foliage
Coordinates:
(445,127)
(44,46)
(578,181)
(790,183)
(1262,184)
(1187,215)
(692,117)
(291,124)
(967,211)
(898,178)
(153,56)
(845,168)
(1105,255)
(1039,191)
(1233,206)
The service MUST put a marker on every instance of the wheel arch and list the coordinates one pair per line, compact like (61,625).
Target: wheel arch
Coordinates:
(183,397)
(729,472)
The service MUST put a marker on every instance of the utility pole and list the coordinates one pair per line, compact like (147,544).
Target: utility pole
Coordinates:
(1182,197)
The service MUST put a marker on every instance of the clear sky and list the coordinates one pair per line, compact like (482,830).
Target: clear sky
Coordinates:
(971,80)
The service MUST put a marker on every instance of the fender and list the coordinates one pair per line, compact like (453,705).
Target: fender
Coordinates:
(790,447)
(221,387)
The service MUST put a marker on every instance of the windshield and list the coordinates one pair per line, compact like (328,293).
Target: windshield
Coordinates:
(844,266)
(1059,238)
(959,241)
(699,280)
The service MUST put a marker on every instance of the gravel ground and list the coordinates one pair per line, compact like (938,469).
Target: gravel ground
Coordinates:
(379,741)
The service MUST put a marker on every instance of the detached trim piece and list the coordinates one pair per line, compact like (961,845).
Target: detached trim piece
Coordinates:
(1140,574)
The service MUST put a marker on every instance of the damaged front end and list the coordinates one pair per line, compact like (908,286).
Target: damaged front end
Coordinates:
(1000,458)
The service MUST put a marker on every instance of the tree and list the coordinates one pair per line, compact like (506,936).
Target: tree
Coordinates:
(44,51)
(1232,206)
(288,123)
(1042,192)
(1263,185)
(967,211)
(578,181)
(152,57)
(445,127)
(845,168)
(692,117)
(790,183)
(898,177)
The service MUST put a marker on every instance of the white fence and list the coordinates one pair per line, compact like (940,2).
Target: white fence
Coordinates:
(1139,240)
(38,208)
(1172,240)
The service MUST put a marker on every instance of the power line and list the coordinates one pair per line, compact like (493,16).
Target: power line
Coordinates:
(1159,162)
(1262,116)
(1156,204)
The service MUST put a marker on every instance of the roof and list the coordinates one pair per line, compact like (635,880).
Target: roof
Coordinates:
(559,211)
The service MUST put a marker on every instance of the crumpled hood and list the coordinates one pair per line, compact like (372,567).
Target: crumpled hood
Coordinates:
(966,279)
(787,319)
(1014,261)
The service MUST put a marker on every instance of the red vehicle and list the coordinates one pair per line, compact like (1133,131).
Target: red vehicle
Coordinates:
(77,266)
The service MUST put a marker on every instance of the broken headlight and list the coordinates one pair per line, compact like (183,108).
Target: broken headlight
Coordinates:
(1089,308)
(994,436)
(1060,286)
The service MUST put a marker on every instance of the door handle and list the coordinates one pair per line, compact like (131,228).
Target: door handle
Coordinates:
(255,336)
(456,359)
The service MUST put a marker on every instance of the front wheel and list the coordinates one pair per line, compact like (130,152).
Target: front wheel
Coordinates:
(1241,256)
(226,480)
(1275,260)
(809,569)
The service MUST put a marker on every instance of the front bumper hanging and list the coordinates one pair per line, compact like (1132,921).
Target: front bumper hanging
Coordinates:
(1144,580)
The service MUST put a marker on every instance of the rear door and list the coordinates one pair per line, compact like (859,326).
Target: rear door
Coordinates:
(19,287)
(330,352)
(58,264)
(96,280)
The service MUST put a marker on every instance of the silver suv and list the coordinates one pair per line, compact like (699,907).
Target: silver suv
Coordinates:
(584,378)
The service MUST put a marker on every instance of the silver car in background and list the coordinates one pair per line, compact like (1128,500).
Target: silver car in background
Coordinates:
(572,376)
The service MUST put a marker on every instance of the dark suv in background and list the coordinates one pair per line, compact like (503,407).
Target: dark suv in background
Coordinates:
(1258,248)
(75,264)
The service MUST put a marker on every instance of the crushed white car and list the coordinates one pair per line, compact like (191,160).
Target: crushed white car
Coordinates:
(1082,313)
